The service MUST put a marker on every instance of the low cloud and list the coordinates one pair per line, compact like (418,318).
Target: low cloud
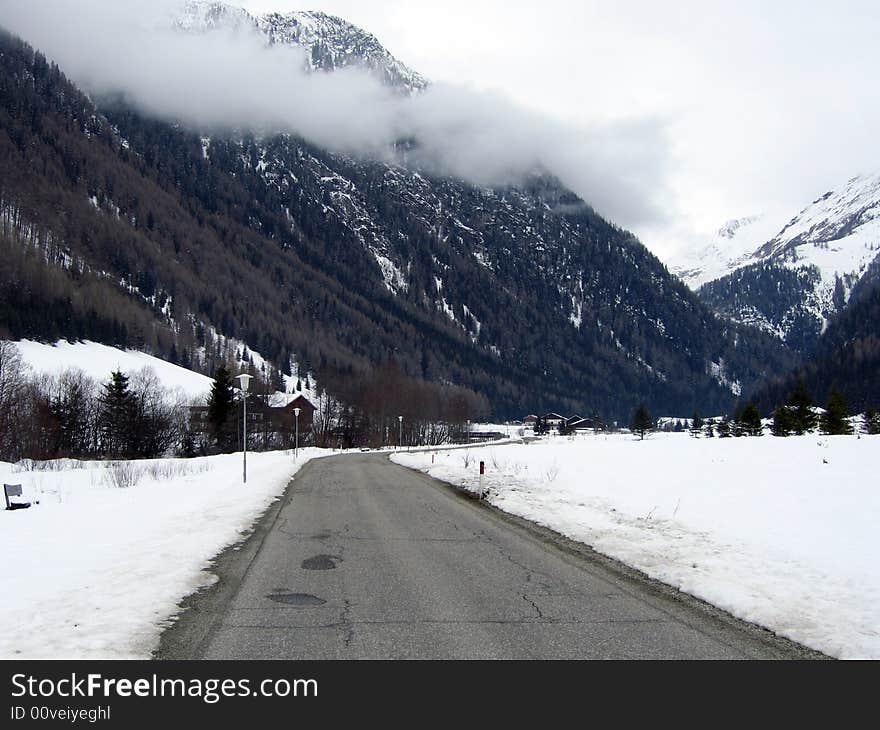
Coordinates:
(229,79)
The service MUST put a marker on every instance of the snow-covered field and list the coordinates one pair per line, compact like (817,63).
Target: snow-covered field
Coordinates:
(782,532)
(95,570)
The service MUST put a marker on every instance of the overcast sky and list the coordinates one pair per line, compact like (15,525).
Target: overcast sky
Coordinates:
(671,118)
(766,104)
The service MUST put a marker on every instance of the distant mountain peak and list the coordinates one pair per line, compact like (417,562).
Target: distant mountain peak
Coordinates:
(204,15)
(732,247)
(330,42)
(730,229)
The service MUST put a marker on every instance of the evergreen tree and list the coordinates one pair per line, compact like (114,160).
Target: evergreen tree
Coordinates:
(871,424)
(783,421)
(723,427)
(696,425)
(834,421)
(641,421)
(804,417)
(541,427)
(278,381)
(709,429)
(221,402)
(736,427)
(749,421)
(116,409)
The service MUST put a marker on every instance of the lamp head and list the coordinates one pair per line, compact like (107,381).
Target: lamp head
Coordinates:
(245,380)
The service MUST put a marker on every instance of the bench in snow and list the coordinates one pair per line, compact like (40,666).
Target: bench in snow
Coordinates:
(14,490)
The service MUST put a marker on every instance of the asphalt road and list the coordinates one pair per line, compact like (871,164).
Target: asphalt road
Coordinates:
(367,559)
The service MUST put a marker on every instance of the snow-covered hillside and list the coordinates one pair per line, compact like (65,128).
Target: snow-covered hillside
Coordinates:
(98,361)
(329,42)
(839,233)
(791,282)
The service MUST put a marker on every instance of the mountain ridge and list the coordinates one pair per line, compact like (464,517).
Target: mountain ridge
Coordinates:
(522,294)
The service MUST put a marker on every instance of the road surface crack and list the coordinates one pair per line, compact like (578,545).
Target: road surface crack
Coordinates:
(533,604)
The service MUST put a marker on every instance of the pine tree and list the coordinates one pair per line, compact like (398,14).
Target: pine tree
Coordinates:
(804,417)
(709,429)
(736,427)
(116,407)
(723,427)
(641,421)
(220,404)
(871,424)
(696,425)
(783,422)
(834,421)
(749,421)
(278,381)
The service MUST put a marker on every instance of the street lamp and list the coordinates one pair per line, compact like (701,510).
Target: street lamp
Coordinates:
(400,432)
(296,412)
(244,379)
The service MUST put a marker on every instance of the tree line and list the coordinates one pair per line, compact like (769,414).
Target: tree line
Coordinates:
(387,407)
(796,416)
(132,416)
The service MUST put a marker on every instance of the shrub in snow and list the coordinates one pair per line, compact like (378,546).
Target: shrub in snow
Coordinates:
(122,474)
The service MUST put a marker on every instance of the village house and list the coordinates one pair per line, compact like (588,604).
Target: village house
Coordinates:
(278,422)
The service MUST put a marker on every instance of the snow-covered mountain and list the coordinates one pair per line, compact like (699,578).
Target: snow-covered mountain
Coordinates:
(732,247)
(790,283)
(330,42)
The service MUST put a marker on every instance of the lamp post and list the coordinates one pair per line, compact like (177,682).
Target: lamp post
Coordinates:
(296,412)
(244,379)
(400,432)
(467,436)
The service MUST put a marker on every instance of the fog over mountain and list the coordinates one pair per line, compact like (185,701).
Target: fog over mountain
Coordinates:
(231,79)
